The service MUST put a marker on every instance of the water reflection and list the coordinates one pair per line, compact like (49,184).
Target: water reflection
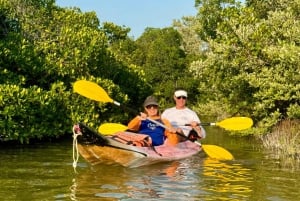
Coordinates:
(44,172)
(227,180)
(167,181)
(191,179)
(95,180)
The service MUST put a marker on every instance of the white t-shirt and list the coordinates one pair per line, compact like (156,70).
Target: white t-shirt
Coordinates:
(179,117)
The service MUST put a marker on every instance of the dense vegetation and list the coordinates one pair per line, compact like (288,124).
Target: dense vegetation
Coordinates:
(233,59)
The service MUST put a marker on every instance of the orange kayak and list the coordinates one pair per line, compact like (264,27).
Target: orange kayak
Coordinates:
(102,149)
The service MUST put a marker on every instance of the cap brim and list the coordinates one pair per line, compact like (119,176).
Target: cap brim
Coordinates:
(151,103)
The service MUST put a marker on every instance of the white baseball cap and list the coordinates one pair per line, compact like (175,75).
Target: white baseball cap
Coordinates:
(179,93)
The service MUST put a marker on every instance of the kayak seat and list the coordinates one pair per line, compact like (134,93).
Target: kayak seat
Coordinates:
(134,139)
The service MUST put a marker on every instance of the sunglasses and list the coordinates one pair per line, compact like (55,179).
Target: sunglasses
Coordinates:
(181,97)
(151,106)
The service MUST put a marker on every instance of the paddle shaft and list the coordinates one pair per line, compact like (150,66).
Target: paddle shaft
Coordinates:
(164,126)
(203,124)
(212,151)
(93,91)
(156,122)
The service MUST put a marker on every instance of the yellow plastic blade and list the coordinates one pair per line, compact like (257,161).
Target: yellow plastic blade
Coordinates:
(92,91)
(236,123)
(216,152)
(111,128)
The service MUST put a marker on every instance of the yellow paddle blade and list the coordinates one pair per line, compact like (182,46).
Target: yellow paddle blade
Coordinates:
(216,152)
(111,128)
(236,123)
(92,91)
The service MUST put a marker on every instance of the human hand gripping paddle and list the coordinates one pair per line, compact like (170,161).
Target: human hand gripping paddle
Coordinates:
(95,92)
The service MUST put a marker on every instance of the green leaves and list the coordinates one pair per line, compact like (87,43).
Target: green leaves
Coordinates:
(30,113)
(160,54)
(253,62)
(245,58)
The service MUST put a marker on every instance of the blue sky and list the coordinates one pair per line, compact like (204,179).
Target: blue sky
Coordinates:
(135,14)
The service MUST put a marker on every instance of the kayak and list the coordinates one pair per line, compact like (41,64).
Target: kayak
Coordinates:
(97,148)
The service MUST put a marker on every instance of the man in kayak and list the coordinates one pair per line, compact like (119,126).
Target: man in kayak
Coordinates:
(143,124)
(184,118)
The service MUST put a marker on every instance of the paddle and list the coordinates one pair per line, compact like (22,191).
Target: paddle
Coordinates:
(93,91)
(232,123)
(212,151)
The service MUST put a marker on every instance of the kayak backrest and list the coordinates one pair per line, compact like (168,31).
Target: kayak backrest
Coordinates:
(134,139)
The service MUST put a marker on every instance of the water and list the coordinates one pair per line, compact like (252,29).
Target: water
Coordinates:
(45,172)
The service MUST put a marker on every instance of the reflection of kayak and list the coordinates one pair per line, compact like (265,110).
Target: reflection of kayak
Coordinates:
(96,148)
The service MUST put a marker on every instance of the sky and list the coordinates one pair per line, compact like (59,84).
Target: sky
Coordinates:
(135,14)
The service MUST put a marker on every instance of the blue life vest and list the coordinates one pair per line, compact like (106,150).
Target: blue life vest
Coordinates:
(156,132)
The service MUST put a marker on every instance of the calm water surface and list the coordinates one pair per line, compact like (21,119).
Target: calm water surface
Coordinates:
(45,172)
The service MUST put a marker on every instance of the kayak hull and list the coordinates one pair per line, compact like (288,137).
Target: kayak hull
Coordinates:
(99,149)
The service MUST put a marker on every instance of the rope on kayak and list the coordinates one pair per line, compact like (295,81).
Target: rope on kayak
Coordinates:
(73,190)
(76,133)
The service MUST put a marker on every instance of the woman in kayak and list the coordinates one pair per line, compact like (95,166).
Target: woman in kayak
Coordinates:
(143,124)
